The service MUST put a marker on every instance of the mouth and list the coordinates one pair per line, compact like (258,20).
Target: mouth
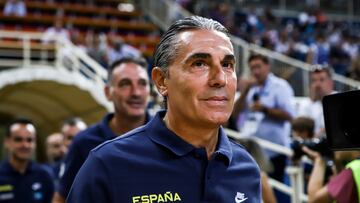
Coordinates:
(135,103)
(217,98)
(217,101)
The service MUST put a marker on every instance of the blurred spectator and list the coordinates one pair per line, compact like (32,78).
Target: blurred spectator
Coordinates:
(55,147)
(70,128)
(15,7)
(302,128)
(320,50)
(97,48)
(21,179)
(128,89)
(343,188)
(56,32)
(321,84)
(118,49)
(55,152)
(266,103)
(354,72)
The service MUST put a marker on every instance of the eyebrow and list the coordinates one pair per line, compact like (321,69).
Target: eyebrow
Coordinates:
(228,57)
(198,56)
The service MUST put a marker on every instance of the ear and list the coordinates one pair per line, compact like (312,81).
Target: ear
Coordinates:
(160,80)
(107,91)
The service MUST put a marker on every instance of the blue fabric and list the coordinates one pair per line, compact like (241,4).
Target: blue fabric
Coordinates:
(82,144)
(34,186)
(152,162)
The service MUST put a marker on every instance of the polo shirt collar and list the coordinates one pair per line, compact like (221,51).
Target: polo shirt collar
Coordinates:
(160,134)
(105,127)
(10,168)
(224,146)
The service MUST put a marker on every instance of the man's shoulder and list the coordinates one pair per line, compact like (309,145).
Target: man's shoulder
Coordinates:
(130,140)
(240,151)
(90,134)
(278,81)
(42,170)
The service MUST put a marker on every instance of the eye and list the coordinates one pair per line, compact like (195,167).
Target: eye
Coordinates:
(199,64)
(124,83)
(228,65)
(143,82)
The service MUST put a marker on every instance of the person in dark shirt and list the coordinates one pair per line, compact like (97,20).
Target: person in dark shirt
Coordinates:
(128,89)
(183,153)
(22,180)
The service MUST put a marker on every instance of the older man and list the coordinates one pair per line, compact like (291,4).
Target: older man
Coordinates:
(183,154)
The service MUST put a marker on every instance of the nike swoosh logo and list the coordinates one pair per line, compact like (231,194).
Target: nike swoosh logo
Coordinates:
(242,200)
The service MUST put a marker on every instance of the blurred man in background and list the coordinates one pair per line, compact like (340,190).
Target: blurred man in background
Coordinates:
(128,88)
(70,128)
(266,104)
(321,84)
(21,179)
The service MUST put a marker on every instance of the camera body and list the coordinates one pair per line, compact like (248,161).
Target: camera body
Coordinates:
(317,144)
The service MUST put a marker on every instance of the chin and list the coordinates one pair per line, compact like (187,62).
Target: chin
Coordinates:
(136,112)
(219,118)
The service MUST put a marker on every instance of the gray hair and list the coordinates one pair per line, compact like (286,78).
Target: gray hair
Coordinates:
(168,47)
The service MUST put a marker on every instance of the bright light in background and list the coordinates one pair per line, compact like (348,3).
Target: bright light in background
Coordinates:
(126,7)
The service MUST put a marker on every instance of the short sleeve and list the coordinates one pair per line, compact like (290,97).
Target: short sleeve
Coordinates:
(342,188)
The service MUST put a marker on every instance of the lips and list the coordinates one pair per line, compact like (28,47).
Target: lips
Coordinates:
(135,103)
(217,98)
(216,101)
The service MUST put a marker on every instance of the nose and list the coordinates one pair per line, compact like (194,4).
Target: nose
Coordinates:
(136,90)
(217,76)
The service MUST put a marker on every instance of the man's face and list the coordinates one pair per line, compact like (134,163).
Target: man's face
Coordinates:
(259,70)
(69,132)
(55,146)
(202,82)
(321,84)
(21,143)
(129,90)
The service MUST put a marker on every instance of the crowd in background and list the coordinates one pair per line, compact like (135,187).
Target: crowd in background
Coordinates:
(311,36)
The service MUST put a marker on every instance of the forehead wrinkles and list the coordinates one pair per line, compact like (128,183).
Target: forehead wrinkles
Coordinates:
(204,41)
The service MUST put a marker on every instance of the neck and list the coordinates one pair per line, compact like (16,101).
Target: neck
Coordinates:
(120,124)
(198,137)
(19,165)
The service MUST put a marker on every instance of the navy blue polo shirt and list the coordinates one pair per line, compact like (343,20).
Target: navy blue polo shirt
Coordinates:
(152,164)
(79,149)
(34,186)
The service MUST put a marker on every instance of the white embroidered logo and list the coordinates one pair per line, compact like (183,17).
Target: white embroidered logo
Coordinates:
(240,197)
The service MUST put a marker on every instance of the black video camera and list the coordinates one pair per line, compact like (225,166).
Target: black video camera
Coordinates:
(317,144)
